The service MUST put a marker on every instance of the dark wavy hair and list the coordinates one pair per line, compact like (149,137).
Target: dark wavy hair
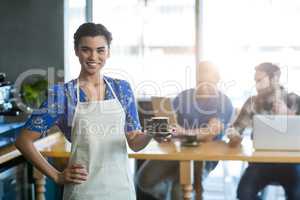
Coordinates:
(269,68)
(92,29)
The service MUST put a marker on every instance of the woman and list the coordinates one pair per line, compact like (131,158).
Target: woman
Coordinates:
(97,114)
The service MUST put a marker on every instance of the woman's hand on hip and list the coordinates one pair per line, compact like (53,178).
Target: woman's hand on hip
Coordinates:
(75,173)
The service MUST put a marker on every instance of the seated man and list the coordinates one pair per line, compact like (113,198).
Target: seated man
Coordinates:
(201,109)
(271,98)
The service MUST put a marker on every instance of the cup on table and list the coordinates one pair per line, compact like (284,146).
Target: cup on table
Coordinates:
(189,139)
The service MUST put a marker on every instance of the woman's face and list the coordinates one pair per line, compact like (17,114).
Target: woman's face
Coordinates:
(92,53)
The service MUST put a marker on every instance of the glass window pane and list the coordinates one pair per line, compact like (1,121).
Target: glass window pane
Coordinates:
(240,34)
(153,45)
(74,17)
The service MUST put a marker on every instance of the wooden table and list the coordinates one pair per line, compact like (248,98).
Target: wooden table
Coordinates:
(212,151)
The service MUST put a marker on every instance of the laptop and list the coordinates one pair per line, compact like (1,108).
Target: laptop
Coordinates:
(276,132)
(162,107)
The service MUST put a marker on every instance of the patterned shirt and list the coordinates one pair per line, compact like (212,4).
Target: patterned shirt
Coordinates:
(193,113)
(60,106)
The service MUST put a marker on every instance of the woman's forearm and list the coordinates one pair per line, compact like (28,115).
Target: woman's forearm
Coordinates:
(137,140)
(25,145)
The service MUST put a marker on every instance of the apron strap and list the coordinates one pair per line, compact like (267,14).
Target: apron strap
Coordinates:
(77,89)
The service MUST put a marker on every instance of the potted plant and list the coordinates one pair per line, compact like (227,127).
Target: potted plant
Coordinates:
(34,92)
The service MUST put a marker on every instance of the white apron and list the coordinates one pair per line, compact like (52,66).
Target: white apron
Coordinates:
(99,143)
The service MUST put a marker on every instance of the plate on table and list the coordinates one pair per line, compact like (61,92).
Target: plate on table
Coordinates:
(161,134)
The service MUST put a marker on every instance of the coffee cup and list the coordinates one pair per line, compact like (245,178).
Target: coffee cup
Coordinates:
(158,126)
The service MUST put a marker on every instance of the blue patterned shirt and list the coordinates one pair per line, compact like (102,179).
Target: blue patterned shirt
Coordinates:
(195,112)
(60,106)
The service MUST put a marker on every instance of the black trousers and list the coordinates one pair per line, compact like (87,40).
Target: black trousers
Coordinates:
(259,175)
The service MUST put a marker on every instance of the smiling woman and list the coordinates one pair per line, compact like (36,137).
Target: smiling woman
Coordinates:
(92,53)
(107,108)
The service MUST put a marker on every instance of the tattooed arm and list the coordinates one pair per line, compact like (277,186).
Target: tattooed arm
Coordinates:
(243,121)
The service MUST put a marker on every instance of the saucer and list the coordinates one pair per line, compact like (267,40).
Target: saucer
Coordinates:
(161,134)
(190,144)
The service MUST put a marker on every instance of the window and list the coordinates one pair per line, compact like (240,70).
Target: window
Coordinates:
(74,16)
(153,43)
(240,34)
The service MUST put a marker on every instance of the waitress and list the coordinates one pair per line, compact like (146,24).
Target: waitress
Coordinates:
(98,115)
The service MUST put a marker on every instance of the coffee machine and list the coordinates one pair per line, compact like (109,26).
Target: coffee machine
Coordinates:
(7,106)
(8,109)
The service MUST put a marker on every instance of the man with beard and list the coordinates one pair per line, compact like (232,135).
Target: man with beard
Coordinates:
(271,99)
